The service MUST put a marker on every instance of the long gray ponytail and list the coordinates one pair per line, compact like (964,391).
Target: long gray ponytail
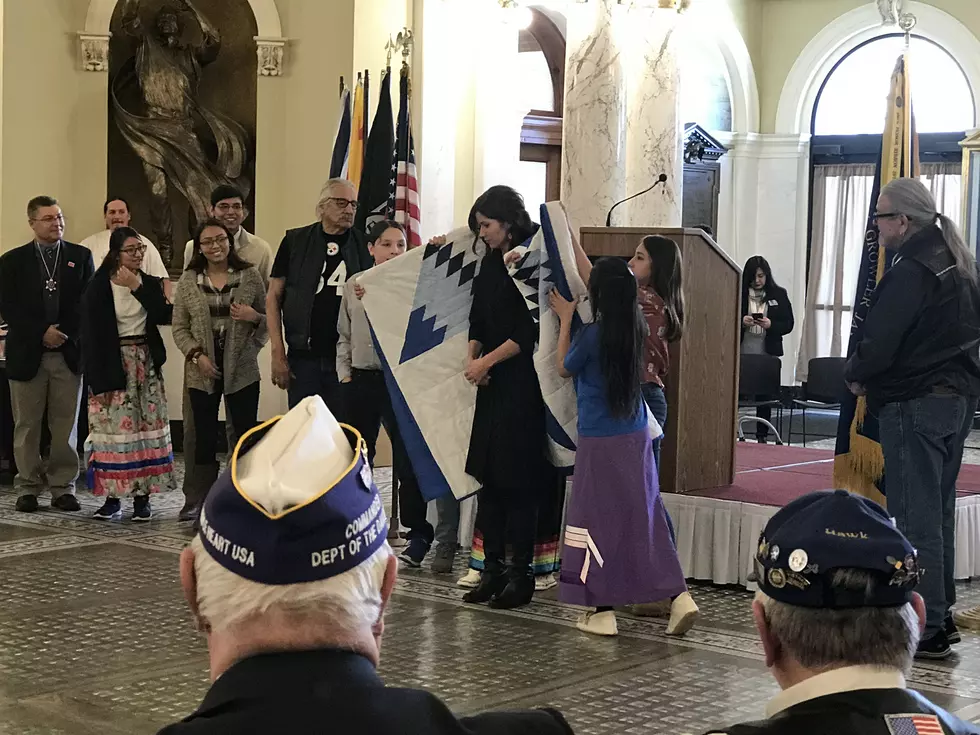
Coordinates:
(913,199)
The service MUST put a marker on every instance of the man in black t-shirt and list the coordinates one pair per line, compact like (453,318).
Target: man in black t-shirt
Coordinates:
(307,283)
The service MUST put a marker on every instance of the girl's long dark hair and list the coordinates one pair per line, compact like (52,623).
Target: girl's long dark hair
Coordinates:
(668,281)
(506,205)
(612,291)
(200,264)
(117,239)
(748,275)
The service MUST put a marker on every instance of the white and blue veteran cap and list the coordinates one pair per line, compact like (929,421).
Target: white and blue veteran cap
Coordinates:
(298,502)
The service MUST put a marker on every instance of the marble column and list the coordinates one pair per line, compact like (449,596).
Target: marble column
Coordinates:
(593,150)
(654,135)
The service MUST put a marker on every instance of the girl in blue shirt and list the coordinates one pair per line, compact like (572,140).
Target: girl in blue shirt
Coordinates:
(618,548)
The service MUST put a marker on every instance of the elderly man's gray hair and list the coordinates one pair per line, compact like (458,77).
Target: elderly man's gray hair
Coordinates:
(345,604)
(328,187)
(864,636)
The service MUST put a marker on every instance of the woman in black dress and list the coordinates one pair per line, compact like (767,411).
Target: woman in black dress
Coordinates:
(507,452)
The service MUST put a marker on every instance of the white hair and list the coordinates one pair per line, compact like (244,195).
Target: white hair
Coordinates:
(860,636)
(325,192)
(348,603)
(913,199)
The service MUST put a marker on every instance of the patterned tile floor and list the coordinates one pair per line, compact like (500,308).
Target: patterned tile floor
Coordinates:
(94,638)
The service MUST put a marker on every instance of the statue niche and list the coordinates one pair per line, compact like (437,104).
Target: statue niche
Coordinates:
(182,98)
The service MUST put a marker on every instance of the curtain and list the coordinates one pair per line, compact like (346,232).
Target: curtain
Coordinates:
(841,199)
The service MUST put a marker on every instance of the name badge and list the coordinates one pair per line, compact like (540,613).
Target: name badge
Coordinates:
(774,303)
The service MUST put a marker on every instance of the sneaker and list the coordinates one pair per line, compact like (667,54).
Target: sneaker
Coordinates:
(415,552)
(470,580)
(683,612)
(66,502)
(26,504)
(445,556)
(141,508)
(545,582)
(189,512)
(111,510)
(951,631)
(598,623)
(934,648)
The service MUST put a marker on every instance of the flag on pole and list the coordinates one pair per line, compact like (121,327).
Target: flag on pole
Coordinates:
(375,187)
(341,146)
(859,464)
(403,204)
(357,136)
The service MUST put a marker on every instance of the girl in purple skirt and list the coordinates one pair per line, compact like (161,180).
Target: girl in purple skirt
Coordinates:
(618,548)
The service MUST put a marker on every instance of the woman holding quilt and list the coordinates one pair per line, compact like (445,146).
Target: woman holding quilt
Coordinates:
(507,452)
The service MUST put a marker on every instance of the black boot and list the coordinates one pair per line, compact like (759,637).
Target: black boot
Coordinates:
(519,589)
(492,582)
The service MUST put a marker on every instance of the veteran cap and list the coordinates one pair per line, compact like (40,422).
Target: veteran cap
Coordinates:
(812,537)
(297,503)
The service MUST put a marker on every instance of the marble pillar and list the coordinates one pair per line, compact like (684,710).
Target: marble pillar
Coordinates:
(593,150)
(654,136)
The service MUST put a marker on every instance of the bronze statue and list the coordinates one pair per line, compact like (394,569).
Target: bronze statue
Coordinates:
(173,130)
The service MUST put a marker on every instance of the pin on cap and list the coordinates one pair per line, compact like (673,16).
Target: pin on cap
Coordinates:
(830,531)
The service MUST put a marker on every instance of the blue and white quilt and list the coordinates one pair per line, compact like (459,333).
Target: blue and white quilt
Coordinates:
(419,305)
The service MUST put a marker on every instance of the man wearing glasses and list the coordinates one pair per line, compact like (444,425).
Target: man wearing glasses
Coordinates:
(41,285)
(308,276)
(228,207)
(117,214)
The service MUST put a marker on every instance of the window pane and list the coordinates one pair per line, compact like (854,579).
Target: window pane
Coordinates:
(531,180)
(536,90)
(855,97)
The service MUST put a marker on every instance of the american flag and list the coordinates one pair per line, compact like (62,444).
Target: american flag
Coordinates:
(914,724)
(403,204)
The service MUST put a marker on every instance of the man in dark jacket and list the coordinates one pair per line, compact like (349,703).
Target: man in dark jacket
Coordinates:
(308,275)
(41,285)
(839,623)
(289,579)
(919,365)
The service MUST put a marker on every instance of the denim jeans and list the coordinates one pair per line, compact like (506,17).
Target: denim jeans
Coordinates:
(654,395)
(922,441)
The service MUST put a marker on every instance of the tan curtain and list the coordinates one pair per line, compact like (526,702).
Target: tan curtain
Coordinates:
(841,197)
(944,181)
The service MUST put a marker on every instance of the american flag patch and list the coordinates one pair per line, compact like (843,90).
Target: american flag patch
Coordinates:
(913,725)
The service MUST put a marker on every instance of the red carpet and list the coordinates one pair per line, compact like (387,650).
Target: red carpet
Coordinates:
(766,474)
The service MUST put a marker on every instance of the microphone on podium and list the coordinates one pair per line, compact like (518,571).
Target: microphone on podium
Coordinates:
(662,179)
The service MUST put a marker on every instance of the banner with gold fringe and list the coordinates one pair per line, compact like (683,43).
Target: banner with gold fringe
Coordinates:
(859,465)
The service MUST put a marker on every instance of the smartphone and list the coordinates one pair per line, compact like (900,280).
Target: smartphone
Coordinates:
(758,316)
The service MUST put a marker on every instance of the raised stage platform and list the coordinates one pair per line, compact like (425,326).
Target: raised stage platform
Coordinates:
(718,529)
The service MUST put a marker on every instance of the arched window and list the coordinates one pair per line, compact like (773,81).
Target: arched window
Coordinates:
(848,121)
(852,100)
(705,98)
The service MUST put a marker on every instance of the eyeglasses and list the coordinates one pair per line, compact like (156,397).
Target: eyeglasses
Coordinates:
(134,251)
(343,203)
(885,215)
(50,219)
(223,207)
(214,242)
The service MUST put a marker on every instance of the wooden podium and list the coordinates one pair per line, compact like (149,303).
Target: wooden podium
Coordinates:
(702,385)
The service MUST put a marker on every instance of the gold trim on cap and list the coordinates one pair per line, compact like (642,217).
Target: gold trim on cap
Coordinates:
(359,449)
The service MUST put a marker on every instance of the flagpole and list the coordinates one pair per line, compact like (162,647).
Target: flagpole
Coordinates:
(907,21)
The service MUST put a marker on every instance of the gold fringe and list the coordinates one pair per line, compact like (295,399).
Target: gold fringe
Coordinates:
(864,465)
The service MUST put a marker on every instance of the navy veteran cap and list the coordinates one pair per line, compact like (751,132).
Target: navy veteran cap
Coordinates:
(298,502)
(812,537)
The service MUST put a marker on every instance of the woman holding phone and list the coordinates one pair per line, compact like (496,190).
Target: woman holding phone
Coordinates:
(219,325)
(767,316)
